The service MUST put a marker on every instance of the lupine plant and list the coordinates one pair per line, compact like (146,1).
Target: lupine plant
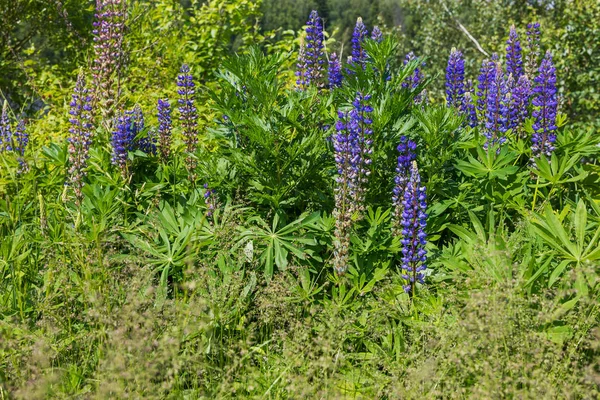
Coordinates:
(497,111)
(545,104)
(455,79)
(80,136)
(311,58)
(164,128)
(5,130)
(359,57)
(533,49)
(335,71)
(407,149)
(514,57)
(188,115)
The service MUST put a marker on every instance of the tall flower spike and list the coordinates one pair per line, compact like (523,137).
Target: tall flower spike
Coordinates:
(347,159)
(335,71)
(359,56)
(486,74)
(533,48)
(315,57)
(414,238)
(79,136)
(545,104)
(406,148)
(468,107)
(514,57)
(5,130)
(188,116)
(455,79)
(376,34)
(20,140)
(122,142)
(521,92)
(301,68)
(147,144)
(413,81)
(497,113)
(164,128)
(360,130)
(109,29)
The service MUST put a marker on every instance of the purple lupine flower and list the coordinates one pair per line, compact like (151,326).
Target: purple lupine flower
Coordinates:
(347,158)
(122,141)
(414,80)
(209,199)
(486,74)
(533,49)
(545,104)
(497,113)
(301,68)
(164,128)
(109,29)
(80,137)
(5,130)
(521,92)
(407,149)
(188,116)
(359,56)
(335,71)
(314,57)
(514,58)
(376,34)
(147,144)
(468,107)
(414,238)
(20,140)
(455,79)
(360,130)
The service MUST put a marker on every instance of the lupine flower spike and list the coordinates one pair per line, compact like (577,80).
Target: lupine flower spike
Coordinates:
(533,49)
(347,158)
(414,238)
(497,111)
(188,116)
(109,29)
(335,71)
(406,148)
(359,56)
(311,60)
(468,107)
(20,140)
(359,128)
(455,79)
(5,130)
(122,142)
(209,198)
(80,136)
(514,57)
(164,128)
(376,34)
(486,74)
(519,103)
(413,81)
(545,104)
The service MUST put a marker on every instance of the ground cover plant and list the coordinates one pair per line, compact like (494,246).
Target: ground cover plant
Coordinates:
(282,218)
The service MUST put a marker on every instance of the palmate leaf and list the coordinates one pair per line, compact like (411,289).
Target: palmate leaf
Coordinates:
(555,231)
(489,164)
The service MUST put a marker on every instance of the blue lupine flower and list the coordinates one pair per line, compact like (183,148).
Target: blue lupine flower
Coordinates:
(514,58)
(359,56)
(335,71)
(301,67)
(347,159)
(164,128)
(359,128)
(20,140)
(209,200)
(414,80)
(146,144)
(376,34)
(5,130)
(497,114)
(455,79)
(533,49)
(468,107)
(311,60)
(521,92)
(80,137)
(188,115)
(545,104)
(486,74)
(407,149)
(414,238)
(122,142)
